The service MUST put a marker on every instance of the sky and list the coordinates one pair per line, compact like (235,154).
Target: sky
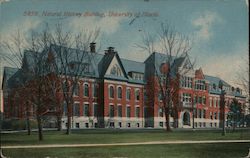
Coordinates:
(218,28)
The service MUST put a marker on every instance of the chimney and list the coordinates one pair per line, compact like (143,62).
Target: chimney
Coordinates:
(111,49)
(92,47)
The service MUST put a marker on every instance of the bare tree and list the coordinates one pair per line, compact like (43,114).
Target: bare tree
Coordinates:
(173,45)
(72,64)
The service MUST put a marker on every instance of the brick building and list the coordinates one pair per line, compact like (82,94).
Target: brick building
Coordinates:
(121,93)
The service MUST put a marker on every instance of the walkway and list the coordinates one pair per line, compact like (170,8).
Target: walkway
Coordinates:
(123,144)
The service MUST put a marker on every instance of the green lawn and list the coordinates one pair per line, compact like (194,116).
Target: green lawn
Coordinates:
(228,150)
(117,136)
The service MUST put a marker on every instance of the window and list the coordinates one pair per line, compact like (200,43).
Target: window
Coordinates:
(211,124)
(204,124)
(86,90)
(115,70)
(120,124)
(111,111)
(128,124)
(94,90)
(199,113)
(204,113)
(200,100)
(211,115)
(111,92)
(128,94)
(95,110)
(76,109)
(215,100)
(137,112)
(128,111)
(200,85)
(161,124)
(218,102)
(87,125)
(77,125)
(186,82)
(137,94)
(186,97)
(119,92)
(215,116)
(119,111)
(86,109)
(138,125)
(160,112)
(76,90)
(210,102)
(204,100)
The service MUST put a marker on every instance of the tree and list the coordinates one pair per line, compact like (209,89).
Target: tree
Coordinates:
(235,115)
(72,64)
(174,45)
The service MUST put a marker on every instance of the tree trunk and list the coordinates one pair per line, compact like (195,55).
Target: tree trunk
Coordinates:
(168,128)
(40,128)
(59,123)
(69,125)
(28,125)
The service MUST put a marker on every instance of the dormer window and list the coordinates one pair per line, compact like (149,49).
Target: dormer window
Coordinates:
(136,75)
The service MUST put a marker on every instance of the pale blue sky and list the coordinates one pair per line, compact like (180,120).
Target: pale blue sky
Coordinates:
(218,28)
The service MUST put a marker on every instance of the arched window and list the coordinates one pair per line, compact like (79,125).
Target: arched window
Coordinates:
(137,94)
(111,92)
(128,94)
(86,90)
(119,92)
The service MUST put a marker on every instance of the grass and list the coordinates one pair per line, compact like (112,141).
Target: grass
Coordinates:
(229,150)
(117,136)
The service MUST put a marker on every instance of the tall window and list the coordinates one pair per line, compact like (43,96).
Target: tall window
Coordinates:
(86,90)
(76,109)
(204,100)
(86,109)
(211,115)
(137,94)
(204,113)
(137,112)
(128,111)
(111,92)
(210,102)
(215,100)
(119,92)
(128,94)
(95,110)
(111,111)
(160,112)
(215,116)
(218,102)
(119,111)
(94,90)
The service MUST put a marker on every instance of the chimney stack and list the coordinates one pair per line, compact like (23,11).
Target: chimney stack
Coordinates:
(111,49)
(92,47)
